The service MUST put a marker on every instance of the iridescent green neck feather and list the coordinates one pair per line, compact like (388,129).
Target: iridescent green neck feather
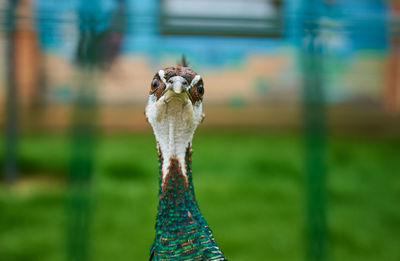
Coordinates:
(181,230)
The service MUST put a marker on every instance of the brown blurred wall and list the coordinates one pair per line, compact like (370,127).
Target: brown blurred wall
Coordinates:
(26,54)
(392,88)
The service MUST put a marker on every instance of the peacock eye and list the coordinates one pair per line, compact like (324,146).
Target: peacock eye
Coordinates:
(200,87)
(155,84)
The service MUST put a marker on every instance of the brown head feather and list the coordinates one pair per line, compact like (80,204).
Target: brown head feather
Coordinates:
(158,86)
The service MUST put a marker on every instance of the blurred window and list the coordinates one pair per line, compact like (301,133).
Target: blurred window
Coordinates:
(222,17)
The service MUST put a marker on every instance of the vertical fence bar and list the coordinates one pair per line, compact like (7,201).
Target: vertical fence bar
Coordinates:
(82,157)
(83,136)
(99,43)
(314,128)
(82,153)
(11,105)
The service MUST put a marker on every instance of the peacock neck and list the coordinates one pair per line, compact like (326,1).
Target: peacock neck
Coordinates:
(176,185)
(181,229)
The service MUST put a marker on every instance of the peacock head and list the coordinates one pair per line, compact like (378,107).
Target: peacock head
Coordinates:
(174,110)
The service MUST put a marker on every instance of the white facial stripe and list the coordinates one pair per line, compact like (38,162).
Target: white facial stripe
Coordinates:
(161,73)
(195,80)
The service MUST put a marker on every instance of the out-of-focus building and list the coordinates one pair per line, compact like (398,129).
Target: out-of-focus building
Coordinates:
(246,51)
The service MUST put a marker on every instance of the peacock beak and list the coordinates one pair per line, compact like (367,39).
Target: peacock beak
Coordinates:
(177,87)
(178,84)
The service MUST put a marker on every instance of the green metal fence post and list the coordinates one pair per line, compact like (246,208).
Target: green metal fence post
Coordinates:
(83,136)
(314,128)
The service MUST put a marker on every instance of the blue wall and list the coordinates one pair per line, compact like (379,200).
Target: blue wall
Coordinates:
(356,24)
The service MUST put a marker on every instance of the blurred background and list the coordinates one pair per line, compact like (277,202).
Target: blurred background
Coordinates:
(297,159)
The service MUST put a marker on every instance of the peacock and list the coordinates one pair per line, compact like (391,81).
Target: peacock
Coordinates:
(174,111)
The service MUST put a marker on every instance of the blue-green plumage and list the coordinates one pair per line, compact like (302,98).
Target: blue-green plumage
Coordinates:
(181,230)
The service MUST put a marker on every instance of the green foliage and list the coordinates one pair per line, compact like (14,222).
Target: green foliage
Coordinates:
(249,186)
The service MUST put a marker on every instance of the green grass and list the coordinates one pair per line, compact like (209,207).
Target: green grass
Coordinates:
(250,186)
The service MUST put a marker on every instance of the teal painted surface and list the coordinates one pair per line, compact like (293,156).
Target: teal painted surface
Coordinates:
(360,24)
